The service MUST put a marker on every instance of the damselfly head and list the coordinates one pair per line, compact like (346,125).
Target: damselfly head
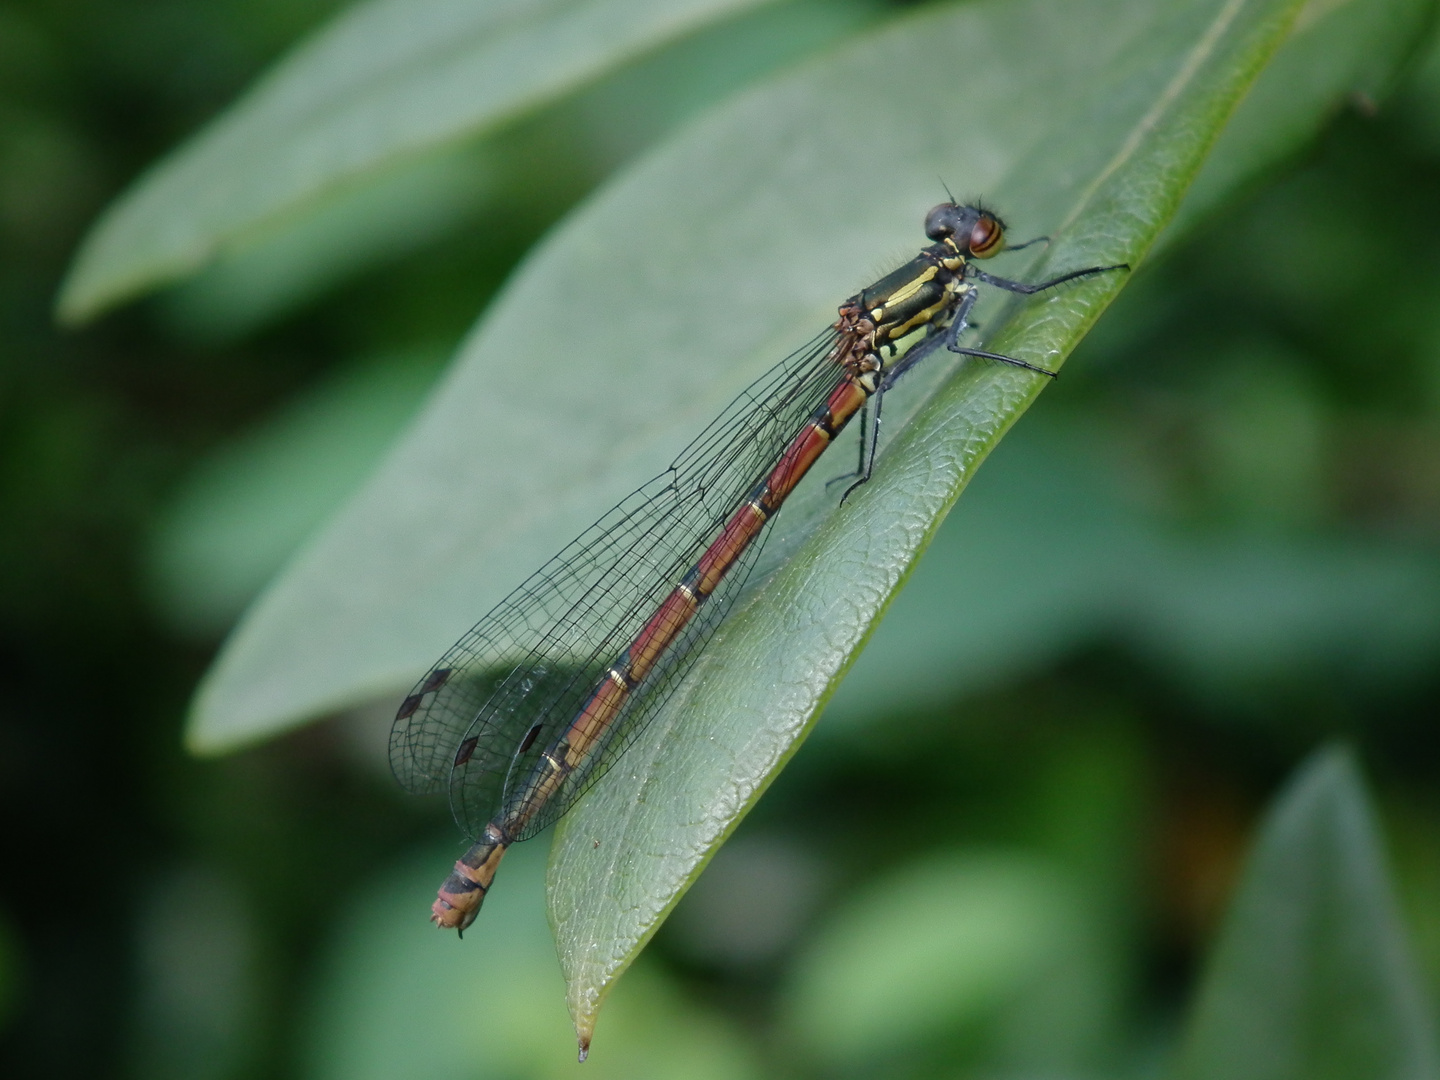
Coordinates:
(977,231)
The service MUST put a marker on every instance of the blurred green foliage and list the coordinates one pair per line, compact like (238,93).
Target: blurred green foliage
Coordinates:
(1311,975)
(1018,829)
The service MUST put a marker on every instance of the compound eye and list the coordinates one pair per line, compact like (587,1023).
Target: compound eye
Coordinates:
(940,222)
(987,236)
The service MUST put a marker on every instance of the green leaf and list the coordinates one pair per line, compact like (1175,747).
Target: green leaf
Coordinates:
(384,82)
(1131,137)
(572,142)
(281,265)
(1312,976)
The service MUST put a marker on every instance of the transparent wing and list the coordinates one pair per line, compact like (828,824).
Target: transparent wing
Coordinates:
(478,721)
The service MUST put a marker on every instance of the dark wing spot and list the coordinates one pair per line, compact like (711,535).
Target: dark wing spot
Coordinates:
(436,679)
(462,755)
(529,739)
(408,707)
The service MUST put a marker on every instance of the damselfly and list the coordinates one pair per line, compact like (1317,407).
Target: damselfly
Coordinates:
(549,689)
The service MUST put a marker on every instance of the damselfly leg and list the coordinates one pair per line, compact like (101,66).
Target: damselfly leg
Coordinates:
(951,334)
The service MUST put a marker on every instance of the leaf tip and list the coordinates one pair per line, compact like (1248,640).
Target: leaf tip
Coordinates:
(584,1021)
(82,295)
(202,740)
(87,293)
(1331,772)
(215,727)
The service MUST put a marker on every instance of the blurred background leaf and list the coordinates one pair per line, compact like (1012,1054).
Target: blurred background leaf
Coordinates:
(385,82)
(622,107)
(1312,975)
